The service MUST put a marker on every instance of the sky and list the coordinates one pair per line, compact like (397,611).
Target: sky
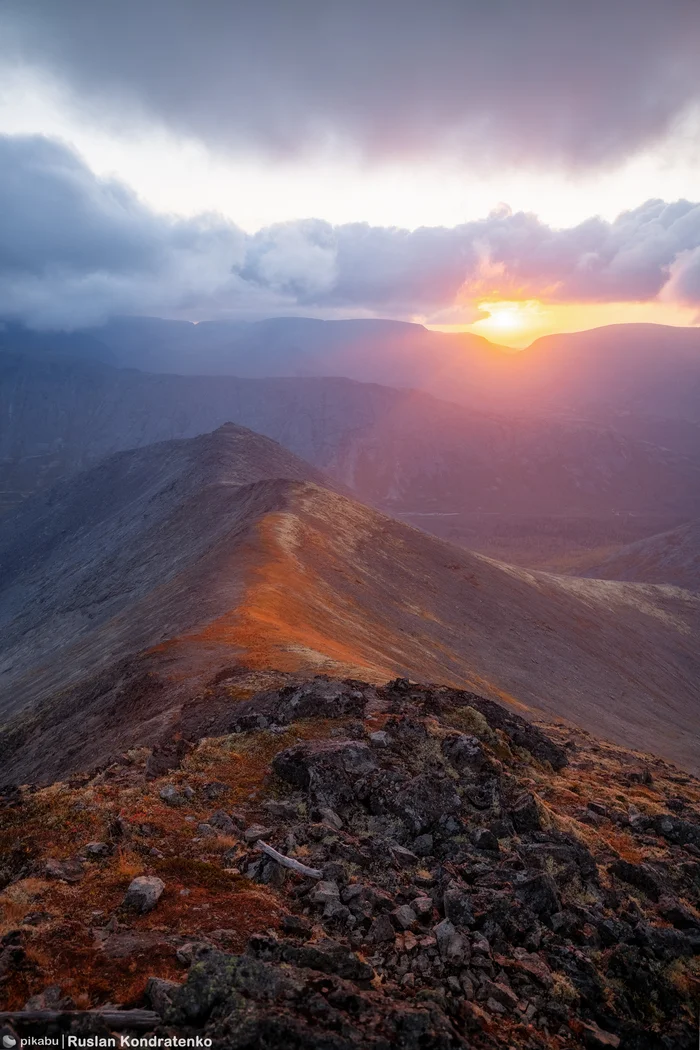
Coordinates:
(511,168)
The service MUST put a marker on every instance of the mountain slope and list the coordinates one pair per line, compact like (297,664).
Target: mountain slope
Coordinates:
(673,557)
(226,551)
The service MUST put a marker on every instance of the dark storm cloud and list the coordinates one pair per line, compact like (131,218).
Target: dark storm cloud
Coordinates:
(75,249)
(547,82)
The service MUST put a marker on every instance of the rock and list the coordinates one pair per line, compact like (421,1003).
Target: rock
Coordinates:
(52,998)
(381,930)
(329,770)
(329,816)
(525,814)
(423,845)
(296,926)
(223,822)
(678,914)
(70,870)
(379,738)
(324,892)
(403,917)
(451,945)
(97,849)
(255,832)
(164,758)
(144,893)
(467,754)
(192,951)
(500,993)
(539,894)
(170,795)
(641,876)
(485,839)
(423,908)
(403,857)
(422,801)
(457,905)
(159,993)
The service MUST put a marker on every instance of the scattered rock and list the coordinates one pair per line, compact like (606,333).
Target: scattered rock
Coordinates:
(143,893)
(70,870)
(539,894)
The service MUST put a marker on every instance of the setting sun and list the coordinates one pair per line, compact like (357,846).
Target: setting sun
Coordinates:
(518,323)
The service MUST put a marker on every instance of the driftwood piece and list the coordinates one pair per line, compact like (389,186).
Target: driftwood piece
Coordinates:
(112,1018)
(288,862)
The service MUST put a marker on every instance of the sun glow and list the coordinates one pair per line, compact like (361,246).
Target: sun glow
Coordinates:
(518,323)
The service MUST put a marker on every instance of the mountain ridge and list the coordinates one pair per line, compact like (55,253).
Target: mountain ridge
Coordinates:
(184,578)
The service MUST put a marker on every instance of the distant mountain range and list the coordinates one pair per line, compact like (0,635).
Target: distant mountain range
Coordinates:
(129,589)
(643,369)
(401,450)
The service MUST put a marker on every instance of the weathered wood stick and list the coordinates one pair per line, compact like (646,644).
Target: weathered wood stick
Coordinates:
(288,862)
(113,1018)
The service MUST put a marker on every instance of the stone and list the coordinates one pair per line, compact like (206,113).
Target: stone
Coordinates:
(423,908)
(457,905)
(451,945)
(485,839)
(255,832)
(500,993)
(221,820)
(382,930)
(641,876)
(467,754)
(403,917)
(324,892)
(329,816)
(423,845)
(404,857)
(159,993)
(379,738)
(525,814)
(70,870)
(540,894)
(97,849)
(143,893)
(170,795)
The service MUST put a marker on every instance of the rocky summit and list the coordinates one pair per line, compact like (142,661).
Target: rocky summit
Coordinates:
(357,865)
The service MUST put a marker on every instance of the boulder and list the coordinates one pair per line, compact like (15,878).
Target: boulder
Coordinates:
(144,893)
(539,894)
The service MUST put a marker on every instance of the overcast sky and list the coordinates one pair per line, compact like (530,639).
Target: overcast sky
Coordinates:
(383,158)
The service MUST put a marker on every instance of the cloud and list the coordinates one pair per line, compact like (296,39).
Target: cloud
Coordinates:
(76,249)
(541,82)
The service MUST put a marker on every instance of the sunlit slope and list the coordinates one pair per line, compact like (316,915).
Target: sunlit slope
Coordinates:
(198,570)
(336,587)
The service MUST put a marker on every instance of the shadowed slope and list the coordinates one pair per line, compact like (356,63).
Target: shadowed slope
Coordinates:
(672,557)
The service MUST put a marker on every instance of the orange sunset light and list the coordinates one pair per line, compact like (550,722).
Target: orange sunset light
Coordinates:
(518,323)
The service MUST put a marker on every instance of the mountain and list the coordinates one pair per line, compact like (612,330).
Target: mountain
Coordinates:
(400,450)
(645,371)
(673,557)
(130,588)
